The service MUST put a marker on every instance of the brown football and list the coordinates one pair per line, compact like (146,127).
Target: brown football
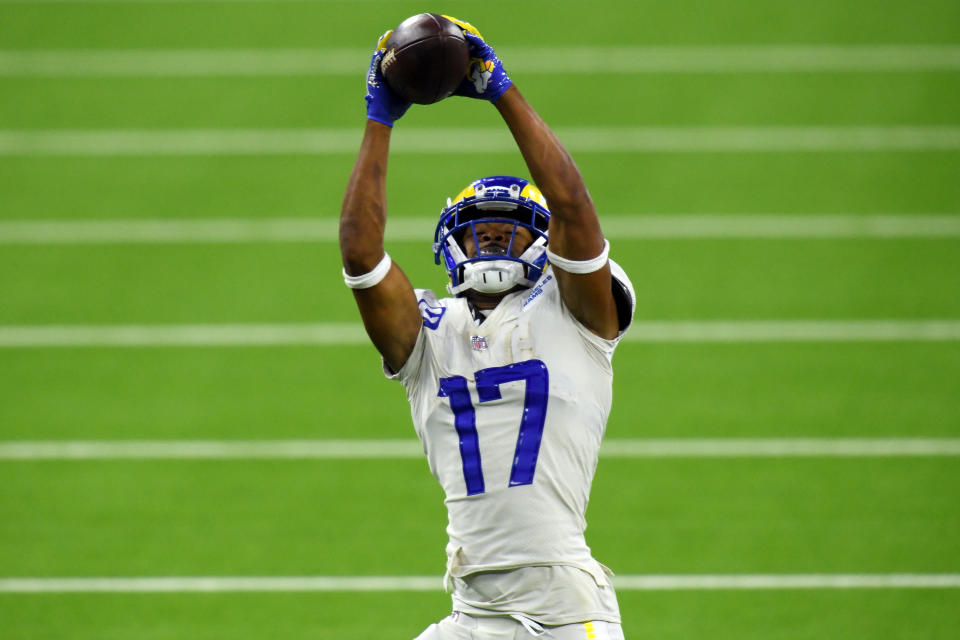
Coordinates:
(426,58)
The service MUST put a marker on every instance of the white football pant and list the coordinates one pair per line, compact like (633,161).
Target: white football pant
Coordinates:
(460,626)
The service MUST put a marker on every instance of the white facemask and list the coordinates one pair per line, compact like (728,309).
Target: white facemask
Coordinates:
(490,276)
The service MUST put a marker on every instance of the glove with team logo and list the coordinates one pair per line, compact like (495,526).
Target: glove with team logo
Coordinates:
(383,104)
(486,77)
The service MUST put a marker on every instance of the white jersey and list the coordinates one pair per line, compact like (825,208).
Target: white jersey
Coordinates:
(511,413)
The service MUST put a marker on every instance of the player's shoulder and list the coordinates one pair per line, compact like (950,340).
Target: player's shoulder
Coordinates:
(545,298)
(545,288)
(438,312)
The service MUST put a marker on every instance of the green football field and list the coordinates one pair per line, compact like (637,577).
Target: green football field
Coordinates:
(196,440)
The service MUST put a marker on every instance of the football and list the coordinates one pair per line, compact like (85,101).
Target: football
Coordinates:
(426,58)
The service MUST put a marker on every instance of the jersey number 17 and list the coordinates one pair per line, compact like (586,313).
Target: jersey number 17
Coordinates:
(488,381)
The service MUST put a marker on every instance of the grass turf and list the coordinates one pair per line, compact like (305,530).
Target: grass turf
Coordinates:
(384,517)
(661,391)
(749,615)
(674,279)
(183,187)
(131,518)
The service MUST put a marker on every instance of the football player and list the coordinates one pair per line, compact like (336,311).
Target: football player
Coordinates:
(509,378)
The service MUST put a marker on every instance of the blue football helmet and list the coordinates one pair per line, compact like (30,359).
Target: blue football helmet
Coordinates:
(500,199)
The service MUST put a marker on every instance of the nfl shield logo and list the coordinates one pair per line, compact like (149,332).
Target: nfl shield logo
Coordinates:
(479,343)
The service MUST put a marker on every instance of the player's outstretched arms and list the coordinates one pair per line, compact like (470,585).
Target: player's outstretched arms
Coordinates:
(384,296)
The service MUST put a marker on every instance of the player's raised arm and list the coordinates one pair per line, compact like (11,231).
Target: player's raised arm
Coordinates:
(577,249)
(384,296)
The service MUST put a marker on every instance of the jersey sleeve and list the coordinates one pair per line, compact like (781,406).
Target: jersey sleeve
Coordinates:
(411,367)
(431,312)
(625,298)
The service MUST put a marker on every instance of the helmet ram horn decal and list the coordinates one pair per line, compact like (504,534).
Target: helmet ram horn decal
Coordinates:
(497,199)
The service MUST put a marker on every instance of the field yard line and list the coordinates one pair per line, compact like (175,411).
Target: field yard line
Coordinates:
(434,583)
(161,2)
(523,60)
(181,335)
(405,229)
(335,141)
(781,581)
(778,447)
(320,334)
(411,449)
(794,331)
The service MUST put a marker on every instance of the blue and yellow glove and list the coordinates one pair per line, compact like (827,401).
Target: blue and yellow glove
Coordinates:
(383,104)
(486,78)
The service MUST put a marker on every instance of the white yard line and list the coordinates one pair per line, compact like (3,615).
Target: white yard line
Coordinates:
(336,141)
(181,335)
(411,449)
(210,450)
(781,581)
(401,229)
(322,334)
(162,2)
(795,331)
(779,447)
(523,60)
(779,226)
(434,583)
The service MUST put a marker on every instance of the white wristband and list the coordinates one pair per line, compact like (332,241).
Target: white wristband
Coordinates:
(580,266)
(371,278)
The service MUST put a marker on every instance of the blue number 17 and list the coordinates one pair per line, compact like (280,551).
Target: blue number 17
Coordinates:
(534,372)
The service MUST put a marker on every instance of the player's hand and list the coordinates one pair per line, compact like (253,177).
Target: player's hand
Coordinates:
(383,104)
(486,78)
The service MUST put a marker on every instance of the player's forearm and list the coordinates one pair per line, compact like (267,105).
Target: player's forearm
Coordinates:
(363,215)
(556,174)
(552,168)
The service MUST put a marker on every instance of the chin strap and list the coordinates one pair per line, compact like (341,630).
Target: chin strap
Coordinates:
(580,266)
(371,278)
